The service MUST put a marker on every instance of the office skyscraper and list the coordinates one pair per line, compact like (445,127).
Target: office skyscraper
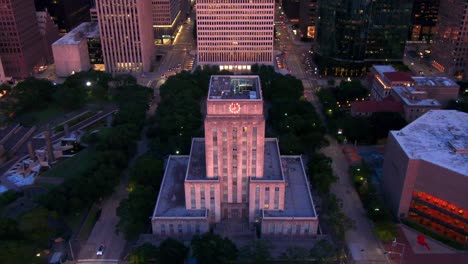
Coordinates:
(67,14)
(361,31)
(125,28)
(450,47)
(308,13)
(166,15)
(424,20)
(236,33)
(20,40)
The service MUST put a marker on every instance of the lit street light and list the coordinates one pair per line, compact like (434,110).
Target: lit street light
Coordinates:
(88,83)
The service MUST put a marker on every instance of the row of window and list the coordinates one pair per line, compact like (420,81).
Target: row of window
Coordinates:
(248,23)
(171,230)
(234,12)
(232,18)
(233,1)
(288,229)
(234,28)
(237,45)
(235,39)
(235,57)
(234,7)
(235,33)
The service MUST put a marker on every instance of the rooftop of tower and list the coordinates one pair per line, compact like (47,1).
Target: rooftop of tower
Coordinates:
(228,87)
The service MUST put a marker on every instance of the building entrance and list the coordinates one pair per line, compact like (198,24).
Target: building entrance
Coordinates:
(234,211)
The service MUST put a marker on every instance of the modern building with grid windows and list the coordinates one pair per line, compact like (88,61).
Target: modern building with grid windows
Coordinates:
(125,27)
(234,175)
(235,34)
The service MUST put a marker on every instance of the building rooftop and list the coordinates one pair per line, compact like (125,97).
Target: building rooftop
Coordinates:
(86,30)
(388,104)
(398,76)
(227,87)
(197,163)
(434,81)
(272,162)
(439,137)
(298,199)
(171,198)
(383,68)
(413,97)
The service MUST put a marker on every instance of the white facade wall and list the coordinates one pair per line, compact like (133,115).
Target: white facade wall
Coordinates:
(71,58)
(235,32)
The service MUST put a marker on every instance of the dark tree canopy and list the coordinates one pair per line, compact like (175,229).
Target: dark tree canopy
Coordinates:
(212,249)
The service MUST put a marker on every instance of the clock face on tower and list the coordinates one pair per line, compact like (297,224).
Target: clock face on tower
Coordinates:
(234,108)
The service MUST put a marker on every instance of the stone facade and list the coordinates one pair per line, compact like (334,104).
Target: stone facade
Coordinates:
(235,173)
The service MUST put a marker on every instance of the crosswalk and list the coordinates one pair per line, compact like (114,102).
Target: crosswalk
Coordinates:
(97,261)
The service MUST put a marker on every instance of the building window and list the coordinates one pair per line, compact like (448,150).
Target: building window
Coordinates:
(276,199)
(212,201)
(257,198)
(163,228)
(192,197)
(267,198)
(202,197)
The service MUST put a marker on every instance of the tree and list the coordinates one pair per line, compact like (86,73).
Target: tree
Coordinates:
(296,255)
(385,230)
(172,251)
(320,172)
(144,254)
(33,94)
(212,249)
(9,229)
(35,225)
(324,252)
(147,171)
(258,252)
(134,211)
(70,97)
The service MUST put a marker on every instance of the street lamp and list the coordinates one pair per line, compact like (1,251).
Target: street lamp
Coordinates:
(88,83)
(177,152)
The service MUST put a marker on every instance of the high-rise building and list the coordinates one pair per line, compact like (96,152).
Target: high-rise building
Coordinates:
(450,47)
(424,20)
(361,31)
(20,40)
(125,27)
(235,173)
(308,14)
(67,14)
(235,33)
(166,15)
(425,176)
(49,32)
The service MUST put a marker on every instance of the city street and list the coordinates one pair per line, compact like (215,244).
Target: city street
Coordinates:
(362,244)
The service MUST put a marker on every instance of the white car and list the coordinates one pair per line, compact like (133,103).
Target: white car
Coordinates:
(100,250)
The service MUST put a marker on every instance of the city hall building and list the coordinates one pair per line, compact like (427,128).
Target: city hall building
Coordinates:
(425,172)
(234,173)
(235,34)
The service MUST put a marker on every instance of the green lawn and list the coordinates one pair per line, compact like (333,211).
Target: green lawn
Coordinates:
(37,117)
(74,166)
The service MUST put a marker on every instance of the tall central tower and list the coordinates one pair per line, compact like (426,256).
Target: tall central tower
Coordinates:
(234,135)
(235,33)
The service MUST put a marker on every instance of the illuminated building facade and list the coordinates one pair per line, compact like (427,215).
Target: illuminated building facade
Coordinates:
(236,33)
(235,173)
(166,15)
(21,46)
(125,27)
(424,20)
(308,12)
(425,176)
(449,50)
